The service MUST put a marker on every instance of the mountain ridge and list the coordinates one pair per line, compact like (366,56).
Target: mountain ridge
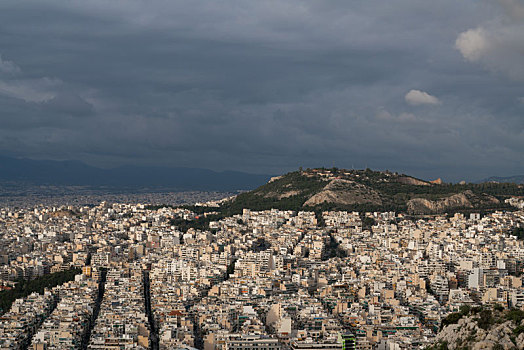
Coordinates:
(72,172)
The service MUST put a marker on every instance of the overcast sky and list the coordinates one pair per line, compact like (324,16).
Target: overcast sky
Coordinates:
(430,88)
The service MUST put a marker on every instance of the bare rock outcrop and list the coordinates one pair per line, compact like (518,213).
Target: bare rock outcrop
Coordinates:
(466,334)
(408,180)
(345,192)
(466,199)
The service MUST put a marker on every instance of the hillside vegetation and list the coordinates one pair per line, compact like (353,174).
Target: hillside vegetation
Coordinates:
(23,288)
(359,190)
(367,190)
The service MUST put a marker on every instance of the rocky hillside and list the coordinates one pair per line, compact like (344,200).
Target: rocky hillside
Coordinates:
(367,190)
(466,200)
(344,192)
(482,328)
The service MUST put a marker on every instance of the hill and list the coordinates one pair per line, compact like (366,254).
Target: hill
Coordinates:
(367,190)
(75,173)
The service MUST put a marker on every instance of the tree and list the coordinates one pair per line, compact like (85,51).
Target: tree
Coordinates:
(23,288)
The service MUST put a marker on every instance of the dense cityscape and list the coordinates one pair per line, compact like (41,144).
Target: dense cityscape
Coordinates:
(258,280)
(262,175)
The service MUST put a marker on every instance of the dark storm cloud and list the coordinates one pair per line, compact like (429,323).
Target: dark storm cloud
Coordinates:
(266,86)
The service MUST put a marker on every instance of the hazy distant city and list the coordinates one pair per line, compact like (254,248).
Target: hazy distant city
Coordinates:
(23,196)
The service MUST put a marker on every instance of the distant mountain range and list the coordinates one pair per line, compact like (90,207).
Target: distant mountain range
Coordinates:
(518,179)
(75,173)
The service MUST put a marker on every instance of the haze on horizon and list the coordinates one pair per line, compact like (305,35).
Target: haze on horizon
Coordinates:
(432,89)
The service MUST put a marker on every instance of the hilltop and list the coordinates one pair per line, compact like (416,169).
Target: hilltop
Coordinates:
(368,190)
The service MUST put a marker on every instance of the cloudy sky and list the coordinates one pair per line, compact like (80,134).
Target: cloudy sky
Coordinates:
(434,89)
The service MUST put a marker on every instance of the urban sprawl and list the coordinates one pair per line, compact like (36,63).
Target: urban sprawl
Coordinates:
(258,280)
